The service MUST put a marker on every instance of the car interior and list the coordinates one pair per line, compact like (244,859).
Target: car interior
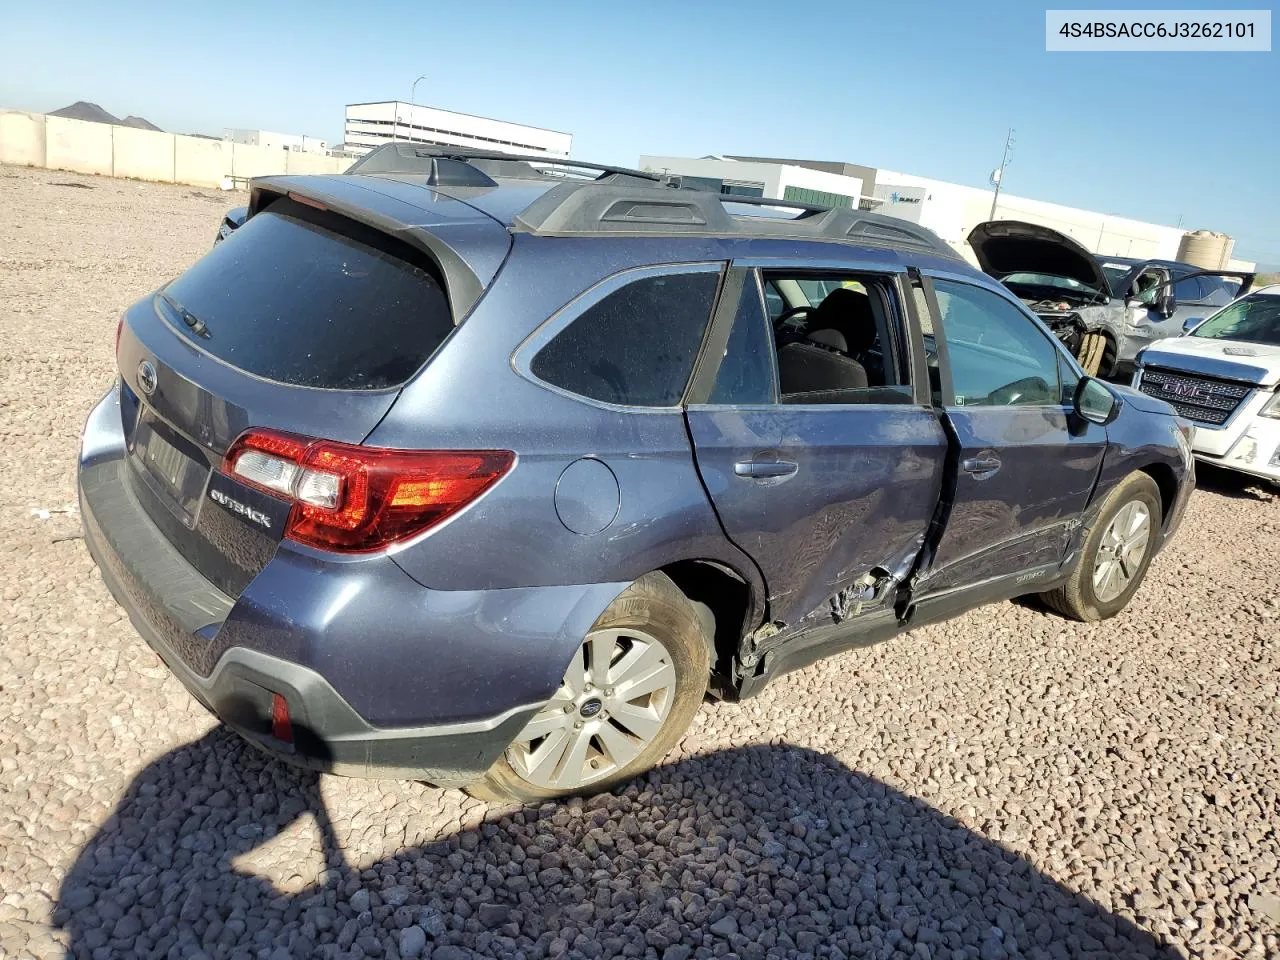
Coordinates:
(835,340)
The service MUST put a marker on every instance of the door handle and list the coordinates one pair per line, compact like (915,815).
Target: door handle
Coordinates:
(765,469)
(981,467)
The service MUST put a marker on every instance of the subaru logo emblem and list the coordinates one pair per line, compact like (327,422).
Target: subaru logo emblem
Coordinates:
(147,377)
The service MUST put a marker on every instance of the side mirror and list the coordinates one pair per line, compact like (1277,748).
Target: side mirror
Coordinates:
(234,218)
(1095,402)
(1166,304)
(1191,323)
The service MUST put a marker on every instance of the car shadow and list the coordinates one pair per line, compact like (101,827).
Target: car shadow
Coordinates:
(1231,483)
(756,851)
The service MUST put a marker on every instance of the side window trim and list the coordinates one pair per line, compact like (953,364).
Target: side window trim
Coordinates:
(707,366)
(545,332)
(917,357)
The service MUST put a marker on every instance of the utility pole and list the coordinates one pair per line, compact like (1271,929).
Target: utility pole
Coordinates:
(997,175)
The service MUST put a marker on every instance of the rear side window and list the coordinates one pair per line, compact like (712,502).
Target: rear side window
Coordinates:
(637,345)
(307,298)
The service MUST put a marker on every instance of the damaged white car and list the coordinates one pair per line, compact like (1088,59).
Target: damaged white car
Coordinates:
(1224,377)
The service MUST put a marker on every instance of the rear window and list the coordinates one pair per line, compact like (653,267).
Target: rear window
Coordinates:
(303,297)
(636,346)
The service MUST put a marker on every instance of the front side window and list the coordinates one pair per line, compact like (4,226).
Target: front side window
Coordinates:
(1148,286)
(997,354)
(636,346)
(1189,290)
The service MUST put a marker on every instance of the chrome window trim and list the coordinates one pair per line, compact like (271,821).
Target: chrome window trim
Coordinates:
(545,332)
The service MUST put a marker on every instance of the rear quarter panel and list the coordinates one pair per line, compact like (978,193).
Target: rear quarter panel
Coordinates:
(470,396)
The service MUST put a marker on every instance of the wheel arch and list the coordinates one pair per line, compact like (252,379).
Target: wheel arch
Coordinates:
(1167,483)
(735,602)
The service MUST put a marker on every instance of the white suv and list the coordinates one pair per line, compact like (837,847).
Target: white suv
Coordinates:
(1224,377)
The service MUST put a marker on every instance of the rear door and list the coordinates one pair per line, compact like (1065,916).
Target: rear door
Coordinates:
(1026,468)
(821,489)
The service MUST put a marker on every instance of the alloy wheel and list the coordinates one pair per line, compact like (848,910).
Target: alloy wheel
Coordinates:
(1123,547)
(614,699)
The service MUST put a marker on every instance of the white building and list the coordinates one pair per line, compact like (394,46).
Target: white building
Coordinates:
(284,141)
(371,124)
(752,177)
(950,210)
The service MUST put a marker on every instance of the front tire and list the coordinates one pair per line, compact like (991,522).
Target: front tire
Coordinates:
(1118,547)
(1090,353)
(626,699)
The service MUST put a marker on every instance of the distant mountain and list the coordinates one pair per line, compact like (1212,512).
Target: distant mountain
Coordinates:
(141,123)
(83,110)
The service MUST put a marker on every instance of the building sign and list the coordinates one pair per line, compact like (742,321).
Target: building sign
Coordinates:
(905,203)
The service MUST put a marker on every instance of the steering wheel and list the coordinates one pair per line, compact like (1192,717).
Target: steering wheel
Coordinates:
(1012,393)
(791,314)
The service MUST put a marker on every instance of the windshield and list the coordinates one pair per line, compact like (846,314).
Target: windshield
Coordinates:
(1048,280)
(1255,319)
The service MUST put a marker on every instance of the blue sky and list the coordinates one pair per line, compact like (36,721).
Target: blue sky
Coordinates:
(928,89)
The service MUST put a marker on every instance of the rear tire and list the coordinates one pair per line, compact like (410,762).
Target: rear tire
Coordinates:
(1118,547)
(592,735)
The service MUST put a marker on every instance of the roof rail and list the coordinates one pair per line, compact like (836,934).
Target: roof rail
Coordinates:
(597,207)
(494,163)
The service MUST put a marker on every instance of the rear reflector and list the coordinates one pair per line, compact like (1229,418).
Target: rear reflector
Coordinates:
(281,725)
(356,499)
(299,198)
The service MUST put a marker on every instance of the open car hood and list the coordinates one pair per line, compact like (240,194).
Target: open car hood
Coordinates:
(1013,246)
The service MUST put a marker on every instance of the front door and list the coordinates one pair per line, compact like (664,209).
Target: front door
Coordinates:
(1026,468)
(828,466)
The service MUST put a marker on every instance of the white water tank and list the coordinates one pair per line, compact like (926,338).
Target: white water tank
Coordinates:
(1205,249)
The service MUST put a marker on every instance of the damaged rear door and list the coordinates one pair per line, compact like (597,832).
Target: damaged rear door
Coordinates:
(831,491)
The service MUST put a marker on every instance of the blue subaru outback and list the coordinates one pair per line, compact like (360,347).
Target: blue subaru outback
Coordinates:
(488,473)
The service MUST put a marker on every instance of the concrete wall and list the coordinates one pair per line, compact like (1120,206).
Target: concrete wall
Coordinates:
(37,140)
(143,154)
(22,139)
(78,145)
(198,161)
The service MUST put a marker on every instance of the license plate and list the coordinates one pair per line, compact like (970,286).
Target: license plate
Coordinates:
(177,475)
(166,461)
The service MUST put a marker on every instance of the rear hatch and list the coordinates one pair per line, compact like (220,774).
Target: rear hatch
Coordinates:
(308,319)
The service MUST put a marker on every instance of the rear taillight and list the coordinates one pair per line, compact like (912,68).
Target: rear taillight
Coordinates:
(356,499)
(119,330)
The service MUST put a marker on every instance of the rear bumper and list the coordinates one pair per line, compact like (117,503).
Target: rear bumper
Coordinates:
(347,645)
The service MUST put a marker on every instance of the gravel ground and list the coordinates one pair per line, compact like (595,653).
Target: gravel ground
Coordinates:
(1005,785)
